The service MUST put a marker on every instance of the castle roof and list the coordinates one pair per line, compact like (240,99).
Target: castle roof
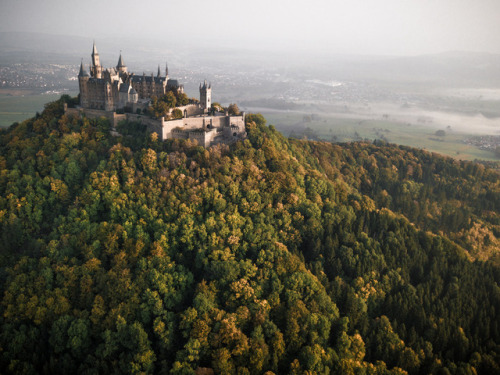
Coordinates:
(205,86)
(120,62)
(83,72)
(147,79)
(94,50)
(173,83)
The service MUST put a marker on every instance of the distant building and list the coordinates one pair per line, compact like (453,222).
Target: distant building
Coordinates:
(103,92)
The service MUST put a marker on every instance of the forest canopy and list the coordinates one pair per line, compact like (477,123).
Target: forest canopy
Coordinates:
(126,254)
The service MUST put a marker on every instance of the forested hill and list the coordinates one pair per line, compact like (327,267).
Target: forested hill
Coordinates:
(272,256)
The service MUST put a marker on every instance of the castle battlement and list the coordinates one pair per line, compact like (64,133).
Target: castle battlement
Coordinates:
(103,92)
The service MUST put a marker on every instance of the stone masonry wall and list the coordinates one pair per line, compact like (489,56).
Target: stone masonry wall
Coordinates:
(113,117)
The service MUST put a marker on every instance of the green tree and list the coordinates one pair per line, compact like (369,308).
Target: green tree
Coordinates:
(233,109)
(177,113)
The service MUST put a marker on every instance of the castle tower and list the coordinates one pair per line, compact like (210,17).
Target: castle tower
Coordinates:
(159,73)
(96,70)
(83,79)
(166,71)
(121,67)
(205,96)
(133,96)
(144,87)
(108,97)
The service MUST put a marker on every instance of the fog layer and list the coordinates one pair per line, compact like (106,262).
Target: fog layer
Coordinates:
(399,27)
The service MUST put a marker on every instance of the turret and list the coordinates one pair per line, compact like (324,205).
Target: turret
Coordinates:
(133,96)
(83,72)
(121,67)
(159,73)
(96,69)
(108,97)
(205,96)
(95,56)
(166,71)
(83,79)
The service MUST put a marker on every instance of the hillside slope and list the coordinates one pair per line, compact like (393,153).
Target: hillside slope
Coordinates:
(127,255)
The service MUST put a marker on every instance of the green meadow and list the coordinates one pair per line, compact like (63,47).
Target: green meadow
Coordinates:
(328,127)
(20,107)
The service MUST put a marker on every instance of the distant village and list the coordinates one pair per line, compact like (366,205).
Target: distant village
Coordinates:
(484,142)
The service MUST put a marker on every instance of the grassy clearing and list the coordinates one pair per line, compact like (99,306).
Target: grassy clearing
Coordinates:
(19,108)
(337,129)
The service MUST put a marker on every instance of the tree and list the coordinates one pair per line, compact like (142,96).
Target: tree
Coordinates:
(233,109)
(170,99)
(216,107)
(177,113)
(440,133)
(159,108)
(182,98)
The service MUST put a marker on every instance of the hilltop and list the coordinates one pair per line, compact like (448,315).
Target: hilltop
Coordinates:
(271,255)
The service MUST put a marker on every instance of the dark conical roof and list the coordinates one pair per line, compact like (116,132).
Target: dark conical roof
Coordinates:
(83,72)
(120,62)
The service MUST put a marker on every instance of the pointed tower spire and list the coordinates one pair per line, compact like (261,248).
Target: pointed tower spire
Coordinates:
(120,61)
(96,69)
(95,56)
(83,72)
(166,70)
(82,69)
(121,67)
(159,74)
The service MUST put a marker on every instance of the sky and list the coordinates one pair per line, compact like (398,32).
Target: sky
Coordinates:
(365,27)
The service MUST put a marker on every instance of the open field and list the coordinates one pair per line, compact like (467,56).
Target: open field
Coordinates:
(22,106)
(335,128)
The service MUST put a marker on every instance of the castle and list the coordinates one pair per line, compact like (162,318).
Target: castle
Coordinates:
(120,95)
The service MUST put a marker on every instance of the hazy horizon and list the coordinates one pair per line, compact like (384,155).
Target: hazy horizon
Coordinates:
(390,27)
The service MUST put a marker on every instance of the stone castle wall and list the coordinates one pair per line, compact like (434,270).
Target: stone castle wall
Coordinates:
(113,117)
(190,110)
(206,130)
